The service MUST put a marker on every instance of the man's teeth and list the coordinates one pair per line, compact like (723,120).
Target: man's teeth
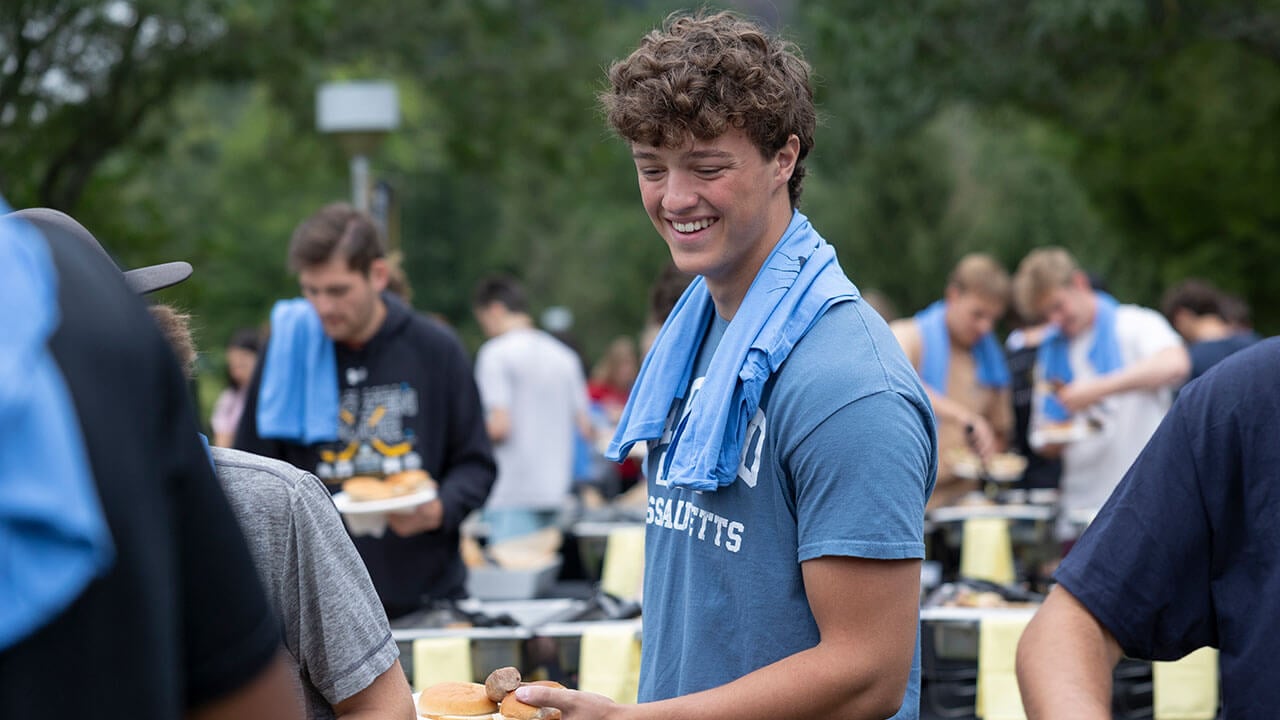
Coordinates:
(694,226)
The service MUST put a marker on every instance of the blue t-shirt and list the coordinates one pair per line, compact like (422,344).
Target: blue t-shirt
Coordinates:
(1205,355)
(839,460)
(1186,552)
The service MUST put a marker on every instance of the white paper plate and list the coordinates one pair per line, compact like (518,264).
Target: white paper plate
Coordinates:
(347,506)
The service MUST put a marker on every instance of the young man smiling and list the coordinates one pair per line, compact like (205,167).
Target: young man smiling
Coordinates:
(353,382)
(791,446)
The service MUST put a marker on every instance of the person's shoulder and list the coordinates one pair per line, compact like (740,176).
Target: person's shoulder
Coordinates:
(263,474)
(1245,378)
(426,333)
(1139,315)
(849,353)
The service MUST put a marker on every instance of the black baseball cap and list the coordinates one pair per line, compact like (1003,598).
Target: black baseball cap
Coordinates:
(141,280)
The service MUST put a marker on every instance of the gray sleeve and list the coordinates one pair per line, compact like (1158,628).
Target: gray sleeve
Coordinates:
(333,617)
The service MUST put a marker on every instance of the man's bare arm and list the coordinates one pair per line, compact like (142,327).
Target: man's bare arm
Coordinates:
(388,697)
(1065,661)
(866,612)
(1167,368)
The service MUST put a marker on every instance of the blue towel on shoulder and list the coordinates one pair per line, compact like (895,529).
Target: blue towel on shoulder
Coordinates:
(298,400)
(1104,354)
(935,355)
(800,279)
(53,538)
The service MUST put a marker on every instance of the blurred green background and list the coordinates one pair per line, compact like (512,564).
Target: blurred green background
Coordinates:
(1143,136)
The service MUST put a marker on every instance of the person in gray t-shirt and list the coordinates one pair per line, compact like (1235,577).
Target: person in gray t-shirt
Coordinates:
(331,620)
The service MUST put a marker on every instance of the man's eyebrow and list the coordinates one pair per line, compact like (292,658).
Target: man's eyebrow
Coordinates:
(692,154)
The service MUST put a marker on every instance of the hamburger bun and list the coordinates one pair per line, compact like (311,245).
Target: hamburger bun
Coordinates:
(363,488)
(513,709)
(449,700)
(410,481)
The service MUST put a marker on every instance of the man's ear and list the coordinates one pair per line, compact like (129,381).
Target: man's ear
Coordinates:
(379,274)
(1080,281)
(786,160)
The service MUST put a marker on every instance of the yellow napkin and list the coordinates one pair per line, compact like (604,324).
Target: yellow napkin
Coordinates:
(986,553)
(609,663)
(443,659)
(622,573)
(998,697)
(1186,689)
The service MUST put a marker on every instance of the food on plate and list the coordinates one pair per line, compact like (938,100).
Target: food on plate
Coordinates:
(1006,466)
(363,488)
(512,709)
(1057,432)
(472,554)
(964,462)
(455,701)
(501,682)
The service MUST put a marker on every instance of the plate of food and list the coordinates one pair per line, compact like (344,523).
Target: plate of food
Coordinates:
(362,495)
(1060,433)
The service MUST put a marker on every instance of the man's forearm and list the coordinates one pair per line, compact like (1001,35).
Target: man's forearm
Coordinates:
(1166,368)
(821,682)
(1065,662)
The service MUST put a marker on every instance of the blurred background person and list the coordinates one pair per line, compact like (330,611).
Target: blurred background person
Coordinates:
(354,382)
(1106,370)
(953,347)
(241,357)
(608,390)
(1021,349)
(534,397)
(1213,323)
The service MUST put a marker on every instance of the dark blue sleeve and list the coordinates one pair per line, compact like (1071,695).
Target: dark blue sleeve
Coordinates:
(1143,567)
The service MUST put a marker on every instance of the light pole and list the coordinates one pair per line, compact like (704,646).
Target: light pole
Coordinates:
(360,114)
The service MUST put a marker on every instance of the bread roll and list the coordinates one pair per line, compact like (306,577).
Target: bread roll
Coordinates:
(462,699)
(363,488)
(513,709)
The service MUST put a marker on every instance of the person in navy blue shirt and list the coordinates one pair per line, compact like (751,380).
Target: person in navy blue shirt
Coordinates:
(1184,555)
(1213,323)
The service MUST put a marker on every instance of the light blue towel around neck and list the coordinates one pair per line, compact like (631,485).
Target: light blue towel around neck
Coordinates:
(53,537)
(935,355)
(298,399)
(798,282)
(1104,355)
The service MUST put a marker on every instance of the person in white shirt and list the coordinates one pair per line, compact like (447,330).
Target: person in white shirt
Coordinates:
(535,399)
(1104,379)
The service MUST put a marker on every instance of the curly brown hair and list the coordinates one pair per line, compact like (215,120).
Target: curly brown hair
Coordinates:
(699,74)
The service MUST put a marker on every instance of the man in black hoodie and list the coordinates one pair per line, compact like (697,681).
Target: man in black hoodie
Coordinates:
(407,399)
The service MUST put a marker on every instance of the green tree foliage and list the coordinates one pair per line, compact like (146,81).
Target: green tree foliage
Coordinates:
(82,78)
(1155,123)
(1141,135)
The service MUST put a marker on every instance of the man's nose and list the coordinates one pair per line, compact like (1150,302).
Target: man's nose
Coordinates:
(680,192)
(321,304)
